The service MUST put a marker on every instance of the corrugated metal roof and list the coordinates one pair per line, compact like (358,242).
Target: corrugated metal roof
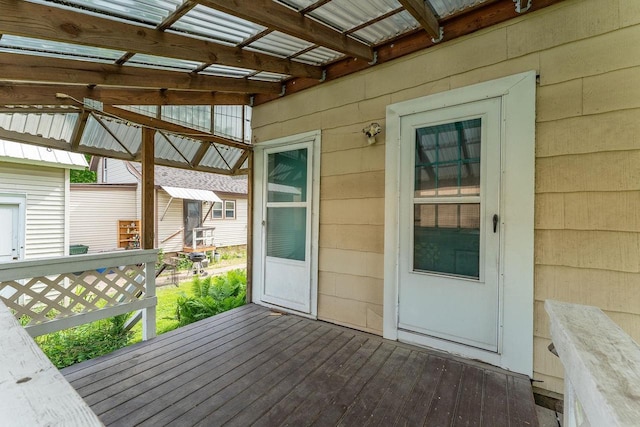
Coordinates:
(15,151)
(211,24)
(51,49)
(58,126)
(192,194)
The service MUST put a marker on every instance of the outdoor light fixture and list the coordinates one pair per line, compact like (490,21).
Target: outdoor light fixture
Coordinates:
(371,131)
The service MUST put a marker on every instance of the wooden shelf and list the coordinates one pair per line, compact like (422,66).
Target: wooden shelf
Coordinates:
(129,233)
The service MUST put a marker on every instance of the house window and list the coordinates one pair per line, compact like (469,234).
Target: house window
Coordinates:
(229,209)
(216,211)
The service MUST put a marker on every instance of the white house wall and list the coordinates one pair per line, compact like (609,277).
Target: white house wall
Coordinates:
(94,212)
(229,232)
(117,172)
(45,213)
(171,222)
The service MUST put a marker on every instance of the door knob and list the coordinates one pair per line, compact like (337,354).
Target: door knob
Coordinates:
(495,223)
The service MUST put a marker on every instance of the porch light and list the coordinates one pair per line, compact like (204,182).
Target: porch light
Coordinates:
(371,131)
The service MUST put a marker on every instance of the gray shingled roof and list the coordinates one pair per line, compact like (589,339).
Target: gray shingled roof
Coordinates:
(186,178)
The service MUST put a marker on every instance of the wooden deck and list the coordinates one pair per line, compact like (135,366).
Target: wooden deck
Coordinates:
(250,366)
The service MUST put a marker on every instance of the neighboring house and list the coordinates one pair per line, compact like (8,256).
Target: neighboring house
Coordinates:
(184,200)
(34,200)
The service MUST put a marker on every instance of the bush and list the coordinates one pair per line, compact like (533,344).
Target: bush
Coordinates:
(212,295)
(64,348)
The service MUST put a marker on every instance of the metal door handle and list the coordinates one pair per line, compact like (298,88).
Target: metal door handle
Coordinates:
(495,223)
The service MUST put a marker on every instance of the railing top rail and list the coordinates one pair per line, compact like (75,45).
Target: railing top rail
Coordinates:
(33,391)
(601,362)
(47,266)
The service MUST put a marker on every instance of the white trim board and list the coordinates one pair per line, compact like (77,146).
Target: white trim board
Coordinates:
(258,201)
(516,212)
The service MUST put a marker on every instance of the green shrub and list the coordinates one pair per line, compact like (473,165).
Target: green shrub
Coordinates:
(64,348)
(212,295)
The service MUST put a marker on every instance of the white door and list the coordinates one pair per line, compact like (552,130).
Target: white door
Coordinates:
(10,232)
(286,224)
(449,213)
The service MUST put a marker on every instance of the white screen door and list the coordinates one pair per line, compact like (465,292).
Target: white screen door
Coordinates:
(449,224)
(287,210)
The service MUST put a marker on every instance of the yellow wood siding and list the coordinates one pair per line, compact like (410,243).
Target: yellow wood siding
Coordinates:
(587,241)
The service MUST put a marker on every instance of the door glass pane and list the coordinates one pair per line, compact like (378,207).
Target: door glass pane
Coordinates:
(447,159)
(192,219)
(287,233)
(446,239)
(287,176)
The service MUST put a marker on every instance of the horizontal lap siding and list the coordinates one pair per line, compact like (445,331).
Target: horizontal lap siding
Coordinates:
(170,223)
(95,214)
(45,214)
(587,216)
(230,232)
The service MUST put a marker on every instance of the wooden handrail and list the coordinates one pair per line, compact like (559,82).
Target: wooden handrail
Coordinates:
(601,365)
(33,392)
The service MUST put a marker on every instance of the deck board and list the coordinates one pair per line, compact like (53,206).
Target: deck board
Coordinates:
(251,367)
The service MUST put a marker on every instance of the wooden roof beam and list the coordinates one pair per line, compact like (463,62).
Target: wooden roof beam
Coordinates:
(163,125)
(280,18)
(26,19)
(28,68)
(40,94)
(421,12)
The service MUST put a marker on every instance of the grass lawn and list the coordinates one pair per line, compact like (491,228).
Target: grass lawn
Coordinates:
(165,311)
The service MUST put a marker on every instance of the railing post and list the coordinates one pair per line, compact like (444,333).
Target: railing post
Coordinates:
(149,313)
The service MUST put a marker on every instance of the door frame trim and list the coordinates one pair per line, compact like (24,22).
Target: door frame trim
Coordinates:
(19,199)
(517,212)
(258,201)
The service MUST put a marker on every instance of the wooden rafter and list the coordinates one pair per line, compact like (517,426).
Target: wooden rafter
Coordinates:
(173,128)
(40,94)
(17,67)
(491,13)
(421,12)
(280,18)
(26,19)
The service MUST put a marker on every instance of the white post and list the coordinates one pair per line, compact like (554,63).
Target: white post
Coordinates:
(149,313)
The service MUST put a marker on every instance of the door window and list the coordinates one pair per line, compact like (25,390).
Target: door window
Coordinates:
(446,212)
(287,204)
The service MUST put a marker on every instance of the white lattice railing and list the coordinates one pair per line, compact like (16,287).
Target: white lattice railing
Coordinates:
(52,294)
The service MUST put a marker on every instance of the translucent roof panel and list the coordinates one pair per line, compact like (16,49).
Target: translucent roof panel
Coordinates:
(212,24)
(58,126)
(444,8)
(53,49)
(151,12)
(319,55)
(393,26)
(347,14)
(224,71)
(279,44)
(213,157)
(120,134)
(142,60)
(193,116)
(269,77)
(175,148)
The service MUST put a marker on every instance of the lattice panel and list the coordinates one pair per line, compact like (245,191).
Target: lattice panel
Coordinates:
(43,299)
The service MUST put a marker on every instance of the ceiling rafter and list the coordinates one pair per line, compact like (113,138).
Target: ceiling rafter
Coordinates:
(423,14)
(32,20)
(280,18)
(12,93)
(490,13)
(18,67)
